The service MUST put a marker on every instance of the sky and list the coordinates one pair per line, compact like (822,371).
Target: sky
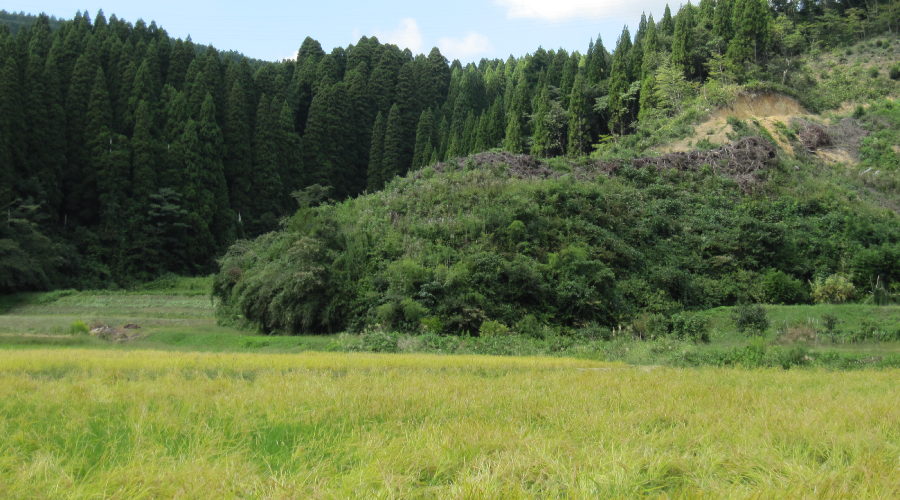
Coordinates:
(464,29)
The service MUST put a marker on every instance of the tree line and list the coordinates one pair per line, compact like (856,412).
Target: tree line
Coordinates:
(126,154)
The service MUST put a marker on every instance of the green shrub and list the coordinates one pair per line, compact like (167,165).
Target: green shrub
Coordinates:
(750,318)
(493,329)
(413,311)
(894,72)
(380,341)
(835,289)
(79,328)
(432,325)
(529,326)
(689,326)
(874,72)
(251,343)
(777,287)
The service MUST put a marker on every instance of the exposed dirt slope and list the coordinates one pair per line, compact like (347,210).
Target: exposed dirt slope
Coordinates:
(772,111)
(765,108)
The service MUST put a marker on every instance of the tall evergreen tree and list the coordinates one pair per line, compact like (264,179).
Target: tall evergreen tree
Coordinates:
(667,24)
(392,163)
(648,69)
(597,65)
(579,111)
(262,205)
(362,120)
(424,134)
(12,134)
(205,192)
(619,83)
(683,40)
(752,25)
(327,148)
(237,161)
(144,156)
(376,154)
(541,136)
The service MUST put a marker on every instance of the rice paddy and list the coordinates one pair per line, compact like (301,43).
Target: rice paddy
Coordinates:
(90,423)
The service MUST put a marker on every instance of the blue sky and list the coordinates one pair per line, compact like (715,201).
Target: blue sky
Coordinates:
(465,29)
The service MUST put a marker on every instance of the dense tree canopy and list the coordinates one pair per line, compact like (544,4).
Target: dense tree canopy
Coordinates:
(116,139)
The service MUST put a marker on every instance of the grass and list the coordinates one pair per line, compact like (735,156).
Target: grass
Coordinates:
(89,424)
(174,314)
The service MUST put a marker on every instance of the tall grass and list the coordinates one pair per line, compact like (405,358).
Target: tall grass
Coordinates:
(92,424)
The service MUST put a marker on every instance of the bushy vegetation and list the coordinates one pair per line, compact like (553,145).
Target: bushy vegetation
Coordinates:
(447,252)
(137,155)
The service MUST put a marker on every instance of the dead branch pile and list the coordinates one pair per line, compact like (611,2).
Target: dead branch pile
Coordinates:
(520,166)
(813,137)
(742,161)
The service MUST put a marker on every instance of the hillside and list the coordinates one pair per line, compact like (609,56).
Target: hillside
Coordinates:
(524,242)
(126,154)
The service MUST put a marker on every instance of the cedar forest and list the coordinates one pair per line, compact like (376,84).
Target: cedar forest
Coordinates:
(349,188)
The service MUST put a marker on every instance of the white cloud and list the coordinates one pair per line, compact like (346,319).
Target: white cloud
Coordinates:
(562,10)
(471,45)
(406,36)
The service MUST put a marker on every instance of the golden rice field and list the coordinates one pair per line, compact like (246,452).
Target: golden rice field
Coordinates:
(148,424)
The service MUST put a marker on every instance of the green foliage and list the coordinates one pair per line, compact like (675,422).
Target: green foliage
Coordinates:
(693,327)
(751,318)
(493,329)
(79,328)
(835,289)
(149,155)
(777,287)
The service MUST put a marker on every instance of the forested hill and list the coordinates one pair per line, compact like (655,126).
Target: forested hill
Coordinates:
(18,20)
(125,155)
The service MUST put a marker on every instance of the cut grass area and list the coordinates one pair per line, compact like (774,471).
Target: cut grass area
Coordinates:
(149,424)
(851,316)
(170,318)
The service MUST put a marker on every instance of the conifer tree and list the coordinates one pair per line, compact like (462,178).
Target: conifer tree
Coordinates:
(637,49)
(409,100)
(444,139)
(237,161)
(648,70)
(751,23)
(517,110)
(182,56)
(12,133)
(683,40)
(45,126)
(393,146)
(362,121)
(541,136)
(144,156)
(261,209)
(570,70)
(110,179)
(619,83)
(436,80)
(383,81)
(205,192)
(289,164)
(304,79)
(328,73)
(667,24)
(597,65)
(579,111)
(424,133)
(481,133)
(722,15)
(327,149)
(376,154)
